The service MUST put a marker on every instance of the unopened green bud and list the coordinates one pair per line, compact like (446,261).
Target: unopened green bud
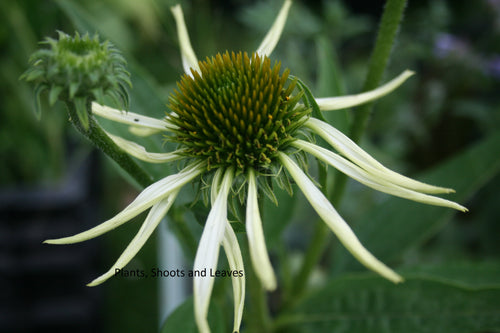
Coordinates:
(78,70)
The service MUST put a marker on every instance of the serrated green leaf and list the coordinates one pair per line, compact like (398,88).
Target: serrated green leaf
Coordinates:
(397,225)
(182,319)
(364,304)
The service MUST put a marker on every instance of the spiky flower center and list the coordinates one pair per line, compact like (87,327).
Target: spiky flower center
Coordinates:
(237,112)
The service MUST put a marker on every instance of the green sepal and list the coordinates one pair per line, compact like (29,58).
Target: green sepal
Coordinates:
(32,74)
(73,88)
(122,91)
(98,94)
(81,111)
(309,101)
(54,93)
(38,104)
(115,98)
(283,181)
(265,185)
(94,77)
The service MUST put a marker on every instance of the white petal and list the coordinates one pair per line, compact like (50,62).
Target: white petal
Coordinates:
(256,242)
(233,253)
(352,151)
(343,102)
(269,43)
(142,131)
(208,253)
(189,59)
(216,181)
(378,183)
(130,118)
(140,152)
(154,217)
(147,198)
(330,216)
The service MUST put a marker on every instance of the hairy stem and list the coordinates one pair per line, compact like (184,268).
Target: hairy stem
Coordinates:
(95,134)
(388,29)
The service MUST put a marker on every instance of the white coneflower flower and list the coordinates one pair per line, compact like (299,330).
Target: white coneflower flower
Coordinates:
(237,119)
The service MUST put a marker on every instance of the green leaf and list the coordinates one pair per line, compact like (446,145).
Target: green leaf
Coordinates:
(465,274)
(389,229)
(182,319)
(362,304)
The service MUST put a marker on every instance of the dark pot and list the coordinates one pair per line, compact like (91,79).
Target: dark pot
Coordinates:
(43,287)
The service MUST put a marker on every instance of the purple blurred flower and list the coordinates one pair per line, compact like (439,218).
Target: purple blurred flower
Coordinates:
(449,45)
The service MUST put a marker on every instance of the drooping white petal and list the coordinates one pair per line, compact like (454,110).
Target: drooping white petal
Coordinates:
(137,120)
(154,217)
(376,182)
(140,152)
(147,198)
(142,131)
(189,59)
(273,35)
(216,182)
(343,102)
(335,222)
(208,253)
(352,151)
(256,242)
(233,253)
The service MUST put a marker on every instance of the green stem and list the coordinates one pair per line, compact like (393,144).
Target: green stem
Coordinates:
(258,310)
(99,138)
(389,26)
(314,251)
(311,259)
(387,33)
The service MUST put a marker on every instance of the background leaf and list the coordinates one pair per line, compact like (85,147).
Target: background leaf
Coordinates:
(182,319)
(466,274)
(360,304)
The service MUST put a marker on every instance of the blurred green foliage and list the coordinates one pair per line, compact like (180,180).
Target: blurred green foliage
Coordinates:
(451,105)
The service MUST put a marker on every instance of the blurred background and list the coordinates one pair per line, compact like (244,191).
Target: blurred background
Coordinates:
(53,183)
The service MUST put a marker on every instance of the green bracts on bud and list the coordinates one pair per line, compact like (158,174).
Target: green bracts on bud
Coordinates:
(78,70)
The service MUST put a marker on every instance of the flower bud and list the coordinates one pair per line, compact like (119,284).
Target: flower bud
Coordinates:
(78,70)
